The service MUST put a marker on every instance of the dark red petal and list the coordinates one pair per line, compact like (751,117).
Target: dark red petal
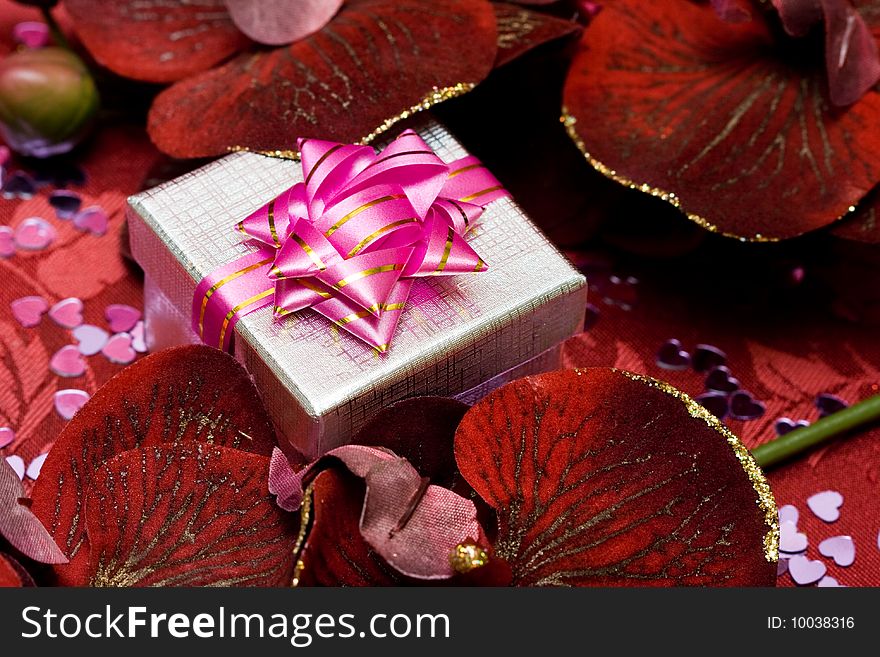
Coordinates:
(154,40)
(521,29)
(719,120)
(604,478)
(183,395)
(375,60)
(864,224)
(13,574)
(177,516)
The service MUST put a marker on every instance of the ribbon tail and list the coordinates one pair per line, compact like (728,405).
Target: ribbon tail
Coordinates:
(471,182)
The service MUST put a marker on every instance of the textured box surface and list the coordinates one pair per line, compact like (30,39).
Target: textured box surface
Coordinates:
(321,384)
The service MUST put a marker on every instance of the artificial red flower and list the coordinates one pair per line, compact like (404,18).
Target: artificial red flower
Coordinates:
(734,123)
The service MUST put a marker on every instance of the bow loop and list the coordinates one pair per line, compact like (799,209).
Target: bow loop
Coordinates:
(442,252)
(327,169)
(305,252)
(367,279)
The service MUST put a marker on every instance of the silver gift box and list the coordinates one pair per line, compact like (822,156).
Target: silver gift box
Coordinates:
(458,336)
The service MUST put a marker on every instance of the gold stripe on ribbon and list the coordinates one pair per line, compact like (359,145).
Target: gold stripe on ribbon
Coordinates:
(314,288)
(321,161)
(364,207)
(271,213)
(401,154)
(243,304)
(367,272)
(277,272)
(446,251)
(461,211)
(470,167)
(480,265)
(369,311)
(280,312)
(223,281)
(466,199)
(240,227)
(369,238)
(309,252)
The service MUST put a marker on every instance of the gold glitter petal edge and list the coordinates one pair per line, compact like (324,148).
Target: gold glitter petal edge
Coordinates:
(765,501)
(569,121)
(438,95)
(305,521)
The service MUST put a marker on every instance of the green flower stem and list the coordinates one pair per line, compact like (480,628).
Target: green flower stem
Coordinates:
(830,427)
(55,29)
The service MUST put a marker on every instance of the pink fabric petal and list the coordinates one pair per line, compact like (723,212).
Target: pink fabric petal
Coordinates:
(414,526)
(798,16)
(732,11)
(279,22)
(850,53)
(19,525)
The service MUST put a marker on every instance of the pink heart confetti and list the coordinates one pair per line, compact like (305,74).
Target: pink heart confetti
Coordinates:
(840,548)
(68,402)
(7,436)
(31,34)
(118,349)
(29,310)
(826,505)
(34,234)
(122,318)
(7,242)
(33,469)
(138,338)
(791,540)
(805,571)
(781,567)
(789,513)
(67,313)
(68,362)
(93,220)
(17,464)
(91,339)
(829,582)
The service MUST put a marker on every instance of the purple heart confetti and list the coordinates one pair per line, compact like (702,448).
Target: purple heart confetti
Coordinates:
(715,402)
(34,234)
(7,437)
(840,548)
(829,582)
(91,339)
(828,404)
(121,318)
(119,350)
(789,513)
(826,505)
(93,220)
(781,566)
(17,464)
(720,380)
(805,571)
(34,467)
(68,362)
(19,185)
(745,407)
(138,338)
(672,357)
(786,425)
(66,203)
(67,313)
(28,311)
(7,242)
(68,402)
(791,541)
(707,357)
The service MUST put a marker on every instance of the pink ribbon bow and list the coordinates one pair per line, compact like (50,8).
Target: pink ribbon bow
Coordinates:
(348,241)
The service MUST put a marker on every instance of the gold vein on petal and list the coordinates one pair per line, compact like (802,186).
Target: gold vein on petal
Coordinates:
(438,95)
(765,501)
(672,198)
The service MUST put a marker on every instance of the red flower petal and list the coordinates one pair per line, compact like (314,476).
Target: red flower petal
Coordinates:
(864,224)
(183,395)
(521,29)
(13,574)
(153,40)
(173,516)
(281,21)
(604,478)
(374,61)
(737,131)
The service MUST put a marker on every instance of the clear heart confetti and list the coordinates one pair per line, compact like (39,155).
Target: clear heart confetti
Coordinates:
(67,313)
(28,311)
(791,540)
(789,513)
(34,467)
(826,505)
(829,582)
(91,339)
(840,548)
(138,338)
(68,362)
(68,402)
(93,220)
(17,464)
(34,234)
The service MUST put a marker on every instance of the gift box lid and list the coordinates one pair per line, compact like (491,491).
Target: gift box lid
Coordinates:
(458,331)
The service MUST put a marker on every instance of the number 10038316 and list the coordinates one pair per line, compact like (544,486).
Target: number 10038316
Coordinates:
(811,623)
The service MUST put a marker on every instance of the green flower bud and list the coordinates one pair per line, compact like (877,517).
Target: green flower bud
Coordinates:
(47,101)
